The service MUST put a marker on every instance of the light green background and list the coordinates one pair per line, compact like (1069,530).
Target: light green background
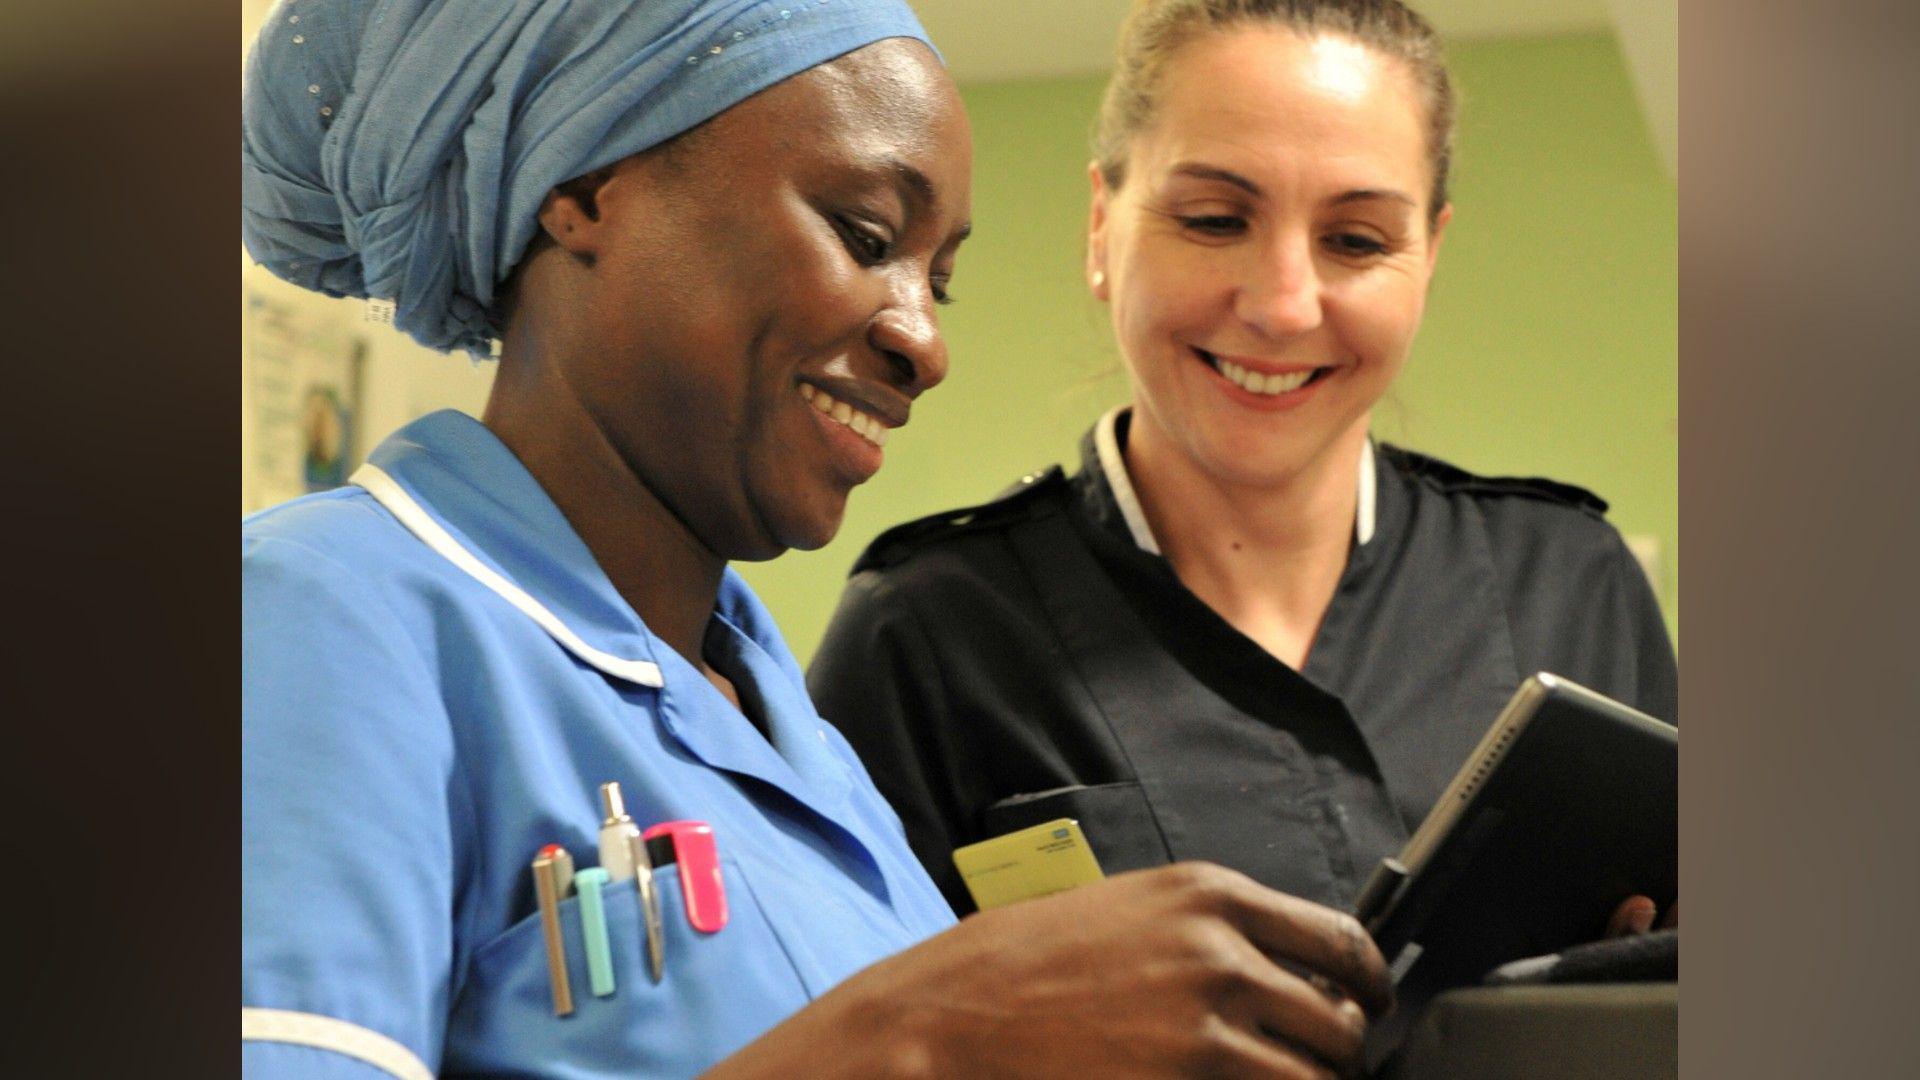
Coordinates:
(1549,348)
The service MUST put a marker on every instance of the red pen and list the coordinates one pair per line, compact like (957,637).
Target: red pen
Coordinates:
(699,863)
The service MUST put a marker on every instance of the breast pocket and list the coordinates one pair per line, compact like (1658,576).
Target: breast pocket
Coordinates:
(717,993)
(1116,818)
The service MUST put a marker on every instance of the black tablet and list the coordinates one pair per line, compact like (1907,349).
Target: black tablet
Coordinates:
(1567,807)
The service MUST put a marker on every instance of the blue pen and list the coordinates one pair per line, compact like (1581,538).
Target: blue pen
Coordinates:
(593,924)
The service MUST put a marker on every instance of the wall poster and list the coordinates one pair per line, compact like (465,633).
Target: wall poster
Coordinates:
(304,370)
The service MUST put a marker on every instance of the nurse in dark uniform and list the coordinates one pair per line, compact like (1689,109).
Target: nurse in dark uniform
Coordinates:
(1242,631)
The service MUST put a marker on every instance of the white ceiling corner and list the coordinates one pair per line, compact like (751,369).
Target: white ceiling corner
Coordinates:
(1649,35)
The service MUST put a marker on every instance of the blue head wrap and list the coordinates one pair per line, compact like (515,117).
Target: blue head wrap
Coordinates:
(400,149)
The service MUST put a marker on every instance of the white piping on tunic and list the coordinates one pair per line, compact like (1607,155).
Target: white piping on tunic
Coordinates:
(1363,508)
(395,498)
(1106,445)
(339,1036)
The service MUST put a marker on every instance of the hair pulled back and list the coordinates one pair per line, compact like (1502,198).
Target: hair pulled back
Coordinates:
(1155,30)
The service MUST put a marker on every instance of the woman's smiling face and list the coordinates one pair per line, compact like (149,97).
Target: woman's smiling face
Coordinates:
(1267,253)
(760,303)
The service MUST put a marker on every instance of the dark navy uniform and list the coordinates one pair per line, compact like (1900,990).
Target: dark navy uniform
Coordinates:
(1034,658)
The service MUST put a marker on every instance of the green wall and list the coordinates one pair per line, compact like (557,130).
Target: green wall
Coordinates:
(1549,346)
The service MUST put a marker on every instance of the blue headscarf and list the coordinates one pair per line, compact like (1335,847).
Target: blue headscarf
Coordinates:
(400,149)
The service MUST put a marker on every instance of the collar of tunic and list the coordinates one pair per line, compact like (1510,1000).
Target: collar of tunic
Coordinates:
(471,499)
(1109,436)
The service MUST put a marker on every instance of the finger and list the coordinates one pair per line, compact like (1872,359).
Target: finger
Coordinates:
(1292,1008)
(1333,1032)
(1327,942)
(1633,916)
(1671,920)
(1235,1052)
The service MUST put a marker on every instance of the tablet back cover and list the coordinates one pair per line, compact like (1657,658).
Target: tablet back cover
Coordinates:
(1581,813)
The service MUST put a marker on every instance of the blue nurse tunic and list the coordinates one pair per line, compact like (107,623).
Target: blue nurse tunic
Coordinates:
(437,678)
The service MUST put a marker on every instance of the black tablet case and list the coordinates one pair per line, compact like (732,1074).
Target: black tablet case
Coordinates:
(1577,815)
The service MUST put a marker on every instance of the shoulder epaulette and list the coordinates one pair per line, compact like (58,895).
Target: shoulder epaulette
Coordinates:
(902,540)
(1452,478)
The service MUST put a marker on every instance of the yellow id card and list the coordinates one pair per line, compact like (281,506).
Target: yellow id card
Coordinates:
(1033,862)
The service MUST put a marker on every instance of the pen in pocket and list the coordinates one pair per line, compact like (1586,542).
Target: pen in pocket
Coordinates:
(552,872)
(623,852)
(593,926)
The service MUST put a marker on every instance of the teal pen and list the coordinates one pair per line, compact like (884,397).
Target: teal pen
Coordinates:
(593,924)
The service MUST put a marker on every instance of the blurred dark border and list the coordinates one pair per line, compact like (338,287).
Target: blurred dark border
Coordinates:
(1800,374)
(1800,449)
(117,195)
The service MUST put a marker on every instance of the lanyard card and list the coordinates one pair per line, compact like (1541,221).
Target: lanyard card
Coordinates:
(1046,858)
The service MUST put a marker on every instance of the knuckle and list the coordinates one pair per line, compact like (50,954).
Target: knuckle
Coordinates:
(1218,964)
(1212,886)
(1326,1029)
(1227,976)
(1214,1047)
(1212,949)
(1188,876)
(1353,941)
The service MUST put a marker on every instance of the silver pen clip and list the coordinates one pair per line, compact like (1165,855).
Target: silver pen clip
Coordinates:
(623,851)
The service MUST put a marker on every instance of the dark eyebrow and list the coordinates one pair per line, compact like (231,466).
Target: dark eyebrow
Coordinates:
(921,189)
(914,180)
(1365,194)
(1209,172)
(1227,176)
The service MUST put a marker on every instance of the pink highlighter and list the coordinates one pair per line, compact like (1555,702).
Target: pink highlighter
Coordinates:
(699,864)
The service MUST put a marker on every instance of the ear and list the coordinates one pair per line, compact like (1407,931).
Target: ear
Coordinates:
(570,214)
(1097,276)
(1433,235)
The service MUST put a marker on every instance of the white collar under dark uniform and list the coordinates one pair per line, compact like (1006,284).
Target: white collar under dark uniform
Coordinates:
(1114,465)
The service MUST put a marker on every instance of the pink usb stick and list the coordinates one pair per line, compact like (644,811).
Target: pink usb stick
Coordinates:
(699,863)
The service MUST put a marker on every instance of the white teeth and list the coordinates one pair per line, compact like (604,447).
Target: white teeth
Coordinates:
(862,424)
(1261,384)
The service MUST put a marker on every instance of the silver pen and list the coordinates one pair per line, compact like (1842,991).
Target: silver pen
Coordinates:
(548,892)
(623,853)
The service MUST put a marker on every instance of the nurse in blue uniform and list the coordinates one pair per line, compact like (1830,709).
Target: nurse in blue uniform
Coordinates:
(708,239)
(1242,631)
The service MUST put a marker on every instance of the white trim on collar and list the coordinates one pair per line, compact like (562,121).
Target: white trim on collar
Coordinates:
(1364,505)
(395,498)
(1106,444)
(339,1036)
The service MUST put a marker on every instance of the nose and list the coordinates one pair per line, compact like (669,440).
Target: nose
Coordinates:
(1280,292)
(908,335)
